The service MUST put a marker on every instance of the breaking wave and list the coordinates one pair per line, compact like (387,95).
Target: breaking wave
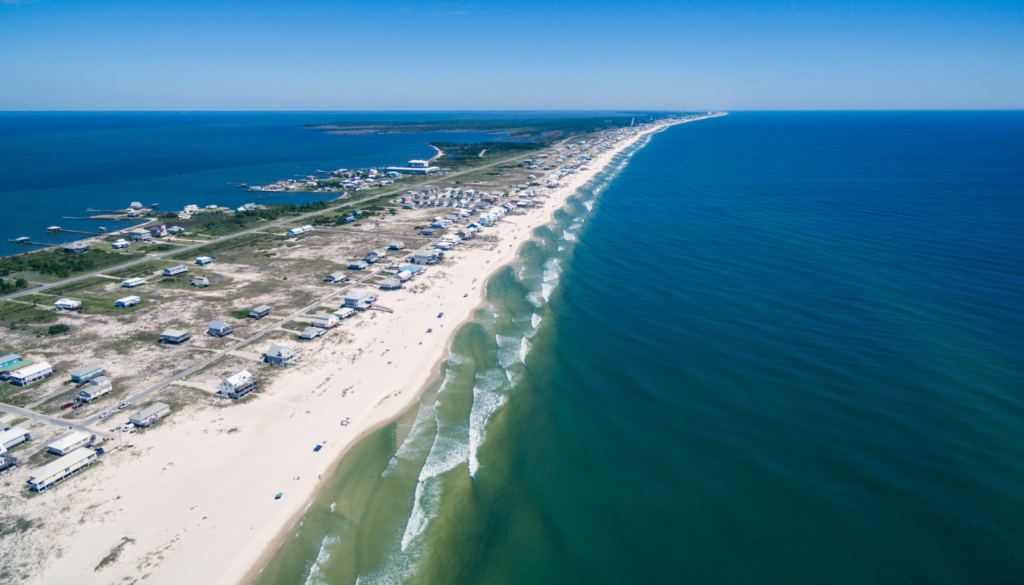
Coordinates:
(316,576)
(486,401)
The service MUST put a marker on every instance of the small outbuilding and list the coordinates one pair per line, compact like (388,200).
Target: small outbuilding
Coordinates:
(67,305)
(129,301)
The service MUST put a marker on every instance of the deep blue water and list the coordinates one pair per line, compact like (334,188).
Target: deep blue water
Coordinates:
(769,348)
(55,165)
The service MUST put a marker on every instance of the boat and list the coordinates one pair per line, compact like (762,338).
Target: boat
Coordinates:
(103,229)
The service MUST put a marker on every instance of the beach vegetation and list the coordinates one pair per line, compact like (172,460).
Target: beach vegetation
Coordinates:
(61,264)
(114,553)
(58,329)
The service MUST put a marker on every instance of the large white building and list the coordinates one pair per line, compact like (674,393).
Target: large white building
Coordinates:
(54,471)
(29,374)
(69,442)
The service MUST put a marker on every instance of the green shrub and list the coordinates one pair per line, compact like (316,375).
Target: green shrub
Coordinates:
(58,329)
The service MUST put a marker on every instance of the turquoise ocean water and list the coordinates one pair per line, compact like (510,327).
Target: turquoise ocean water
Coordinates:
(765,348)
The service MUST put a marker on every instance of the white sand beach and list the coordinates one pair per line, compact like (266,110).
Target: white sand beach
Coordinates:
(195,495)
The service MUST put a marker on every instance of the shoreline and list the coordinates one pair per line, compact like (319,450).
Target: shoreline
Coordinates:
(185,491)
(547,216)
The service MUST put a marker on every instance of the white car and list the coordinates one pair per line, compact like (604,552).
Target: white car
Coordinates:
(128,427)
(123,405)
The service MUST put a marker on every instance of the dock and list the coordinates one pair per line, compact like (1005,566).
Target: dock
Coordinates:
(67,231)
(26,241)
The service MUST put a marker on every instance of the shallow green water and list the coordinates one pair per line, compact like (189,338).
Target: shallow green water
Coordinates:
(773,348)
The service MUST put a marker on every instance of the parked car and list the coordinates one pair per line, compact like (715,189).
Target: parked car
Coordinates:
(123,405)
(99,450)
(67,406)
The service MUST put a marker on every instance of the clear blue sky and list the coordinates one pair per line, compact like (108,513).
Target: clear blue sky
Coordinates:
(597,54)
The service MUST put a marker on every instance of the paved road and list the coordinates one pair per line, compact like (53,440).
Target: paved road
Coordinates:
(278,223)
(78,425)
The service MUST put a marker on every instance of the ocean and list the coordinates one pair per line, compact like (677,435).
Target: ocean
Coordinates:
(764,348)
(56,165)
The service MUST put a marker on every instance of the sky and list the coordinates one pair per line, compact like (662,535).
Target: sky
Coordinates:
(510,55)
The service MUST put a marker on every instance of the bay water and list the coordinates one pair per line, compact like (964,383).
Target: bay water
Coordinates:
(764,348)
(58,165)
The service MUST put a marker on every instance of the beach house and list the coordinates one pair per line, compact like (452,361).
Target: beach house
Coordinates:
(69,442)
(311,333)
(279,355)
(96,387)
(149,415)
(200,282)
(84,374)
(76,247)
(237,385)
(12,438)
(396,245)
(219,328)
(336,277)
(9,360)
(325,320)
(259,312)
(133,282)
(175,336)
(391,284)
(174,270)
(140,235)
(359,300)
(424,256)
(120,244)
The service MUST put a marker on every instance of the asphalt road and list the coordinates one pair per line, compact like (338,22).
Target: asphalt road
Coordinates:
(278,223)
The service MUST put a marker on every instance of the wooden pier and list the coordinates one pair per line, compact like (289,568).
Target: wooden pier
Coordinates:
(31,242)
